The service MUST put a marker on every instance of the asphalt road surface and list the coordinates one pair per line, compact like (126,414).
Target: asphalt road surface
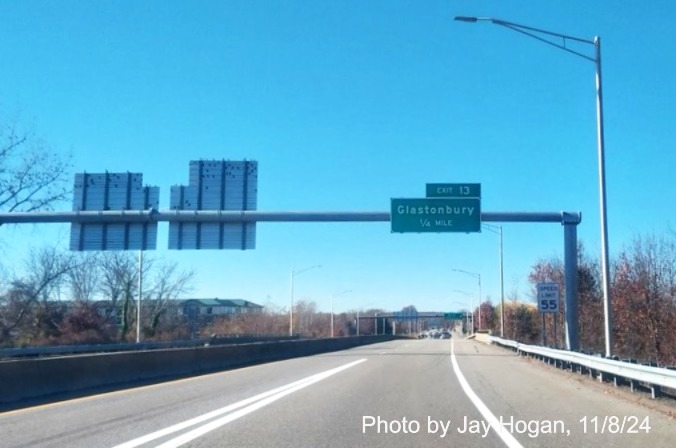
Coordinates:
(405,393)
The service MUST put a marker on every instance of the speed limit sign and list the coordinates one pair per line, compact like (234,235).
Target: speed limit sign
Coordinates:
(548,297)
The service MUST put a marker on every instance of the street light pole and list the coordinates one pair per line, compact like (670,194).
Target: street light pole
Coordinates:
(596,42)
(605,263)
(471,311)
(478,277)
(502,282)
(358,311)
(333,296)
(293,274)
(466,314)
(502,290)
(140,292)
(291,308)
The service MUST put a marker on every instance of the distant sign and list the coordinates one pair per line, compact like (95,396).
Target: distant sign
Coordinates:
(454,316)
(548,297)
(216,185)
(110,192)
(436,215)
(454,190)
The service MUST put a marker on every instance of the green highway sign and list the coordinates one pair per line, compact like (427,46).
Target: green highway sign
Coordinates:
(454,316)
(453,190)
(436,215)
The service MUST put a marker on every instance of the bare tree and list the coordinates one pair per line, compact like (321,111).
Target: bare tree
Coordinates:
(644,304)
(32,177)
(85,276)
(119,279)
(30,299)
(271,320)
(163,282)
(166,285)
(311,323)
(31,314)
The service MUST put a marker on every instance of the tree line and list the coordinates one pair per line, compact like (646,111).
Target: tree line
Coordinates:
(64,297)
(58,297)
(643,303)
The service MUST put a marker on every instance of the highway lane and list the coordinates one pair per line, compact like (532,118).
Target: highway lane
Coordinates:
(401,379)
(326,400)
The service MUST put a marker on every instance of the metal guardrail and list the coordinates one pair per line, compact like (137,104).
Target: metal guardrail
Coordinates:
(653,377)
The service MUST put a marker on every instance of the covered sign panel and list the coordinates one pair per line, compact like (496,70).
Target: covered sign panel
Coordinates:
(216,185)
(111,192)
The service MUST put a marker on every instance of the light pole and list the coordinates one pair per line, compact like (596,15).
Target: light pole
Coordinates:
(471,311)
(478,277)
(140,292)
(467,313)
(293,274)
(596,42)
(358,310)
(498,230)
(333,297)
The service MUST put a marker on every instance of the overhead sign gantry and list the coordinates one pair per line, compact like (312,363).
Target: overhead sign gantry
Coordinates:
(242,216)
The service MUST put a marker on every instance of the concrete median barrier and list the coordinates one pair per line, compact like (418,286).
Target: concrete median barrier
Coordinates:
(31,381)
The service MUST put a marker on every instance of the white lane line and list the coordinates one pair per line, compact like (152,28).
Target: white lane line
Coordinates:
(202,418)
(218,412)
(198,432)
(500,430)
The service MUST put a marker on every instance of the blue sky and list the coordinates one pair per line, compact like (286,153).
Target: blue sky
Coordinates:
(346,104)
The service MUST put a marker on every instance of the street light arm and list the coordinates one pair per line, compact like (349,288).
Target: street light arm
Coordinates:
(294,273)
(539,30)
(473,274)
(341,293)
(492,228)
(549,42)
(528,31)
